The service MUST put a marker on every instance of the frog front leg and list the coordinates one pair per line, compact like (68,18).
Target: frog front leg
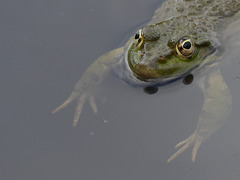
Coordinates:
(92,77)
(216,107)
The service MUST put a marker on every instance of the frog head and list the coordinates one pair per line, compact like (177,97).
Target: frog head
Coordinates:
(170,48)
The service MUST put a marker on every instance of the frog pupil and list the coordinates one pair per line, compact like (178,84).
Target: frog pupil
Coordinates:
(187,45)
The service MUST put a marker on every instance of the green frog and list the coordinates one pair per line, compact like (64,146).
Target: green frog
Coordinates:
(181,40)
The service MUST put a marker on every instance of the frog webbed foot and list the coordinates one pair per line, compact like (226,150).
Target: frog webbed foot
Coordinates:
(81,101)
(194,140)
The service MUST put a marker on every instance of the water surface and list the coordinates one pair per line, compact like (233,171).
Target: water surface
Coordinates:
(45,48)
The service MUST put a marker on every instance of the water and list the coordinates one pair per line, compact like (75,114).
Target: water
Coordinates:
(45,48)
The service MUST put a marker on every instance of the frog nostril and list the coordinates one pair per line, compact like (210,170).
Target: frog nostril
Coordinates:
(161,58)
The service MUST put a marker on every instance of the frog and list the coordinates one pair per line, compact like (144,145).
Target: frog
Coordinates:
(180,42)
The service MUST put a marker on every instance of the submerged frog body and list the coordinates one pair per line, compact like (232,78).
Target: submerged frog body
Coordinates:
(181,39)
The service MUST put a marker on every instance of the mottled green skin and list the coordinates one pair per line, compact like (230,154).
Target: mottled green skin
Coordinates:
(198,19)
(156,61)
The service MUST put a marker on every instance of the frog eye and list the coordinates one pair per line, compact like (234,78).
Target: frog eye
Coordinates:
(185,47)
(140,38)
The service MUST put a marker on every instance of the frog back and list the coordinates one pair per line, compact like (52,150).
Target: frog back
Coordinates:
(212,10)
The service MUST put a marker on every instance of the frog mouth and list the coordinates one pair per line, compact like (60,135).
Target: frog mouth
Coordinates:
(212,50)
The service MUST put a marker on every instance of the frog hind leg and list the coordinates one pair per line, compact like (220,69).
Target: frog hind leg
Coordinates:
(92,77)
(185,145)
(216,107)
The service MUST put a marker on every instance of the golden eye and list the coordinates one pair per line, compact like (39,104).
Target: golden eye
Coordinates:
(140,39)
(185,47)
